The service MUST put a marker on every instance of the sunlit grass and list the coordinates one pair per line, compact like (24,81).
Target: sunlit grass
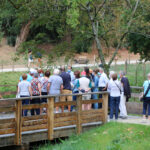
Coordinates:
(112,136)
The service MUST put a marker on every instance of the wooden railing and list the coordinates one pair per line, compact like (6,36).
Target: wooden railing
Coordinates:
(133,94)
(50,120)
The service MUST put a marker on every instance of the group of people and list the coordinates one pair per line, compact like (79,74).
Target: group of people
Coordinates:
(62,81)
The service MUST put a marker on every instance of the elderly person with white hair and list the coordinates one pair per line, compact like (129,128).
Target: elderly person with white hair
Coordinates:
(103,81)
(125,95)
(146,97)
(55,85)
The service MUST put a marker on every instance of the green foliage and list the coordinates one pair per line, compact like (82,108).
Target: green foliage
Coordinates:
(139,44)
(138,39)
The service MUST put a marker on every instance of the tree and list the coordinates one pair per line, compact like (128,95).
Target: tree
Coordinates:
(108,22)
(138,39)
(19,18)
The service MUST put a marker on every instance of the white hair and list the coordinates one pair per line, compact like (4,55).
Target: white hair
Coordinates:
(122,73)
(101,69)
(148,75)
(56,72)
(111,73)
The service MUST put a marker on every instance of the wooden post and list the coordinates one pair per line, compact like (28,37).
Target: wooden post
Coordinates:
(50,113)
(105,108)
(79,111)
(18,119)
(126,66)
(136,73)
(144,71)
(13,67)
(2,66)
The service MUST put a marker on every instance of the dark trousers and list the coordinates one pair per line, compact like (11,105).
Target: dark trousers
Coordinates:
(114,105)
(100,96)
(74,98)
(25,102)
(44,100)
(101,90)
(146,104)
(35,101)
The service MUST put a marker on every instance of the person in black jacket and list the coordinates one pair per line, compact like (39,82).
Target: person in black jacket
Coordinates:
(125,95)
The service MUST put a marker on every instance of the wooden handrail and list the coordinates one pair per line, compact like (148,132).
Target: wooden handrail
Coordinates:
(50,96)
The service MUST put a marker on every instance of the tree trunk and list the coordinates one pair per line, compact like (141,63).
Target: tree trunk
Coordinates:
(23,35)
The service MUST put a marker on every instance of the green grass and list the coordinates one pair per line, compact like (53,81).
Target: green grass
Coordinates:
(9,78)
(112,136)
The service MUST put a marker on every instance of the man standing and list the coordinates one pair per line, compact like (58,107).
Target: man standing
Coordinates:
(126,94)
(66,87)
(103,81)
(69,71)
(55,86)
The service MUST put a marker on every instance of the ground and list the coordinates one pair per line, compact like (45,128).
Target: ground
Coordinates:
(111,136)
(8,52)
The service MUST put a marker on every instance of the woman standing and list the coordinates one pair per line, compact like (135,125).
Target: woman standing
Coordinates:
(84,86)
(146,100)
(36,91)
(24,90)
(44,85)
(95,89)
(75,86)
(115,92)
(30,58)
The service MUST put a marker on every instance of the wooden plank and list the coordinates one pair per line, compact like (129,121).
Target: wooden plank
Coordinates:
(58,104)
(36,117)
(36,127)
(50,113)
(8,131)
(91,101)
(90,120)
(34,106)
(63,119)
(79,111)
(90,116)
(65,114)
(105,108)
(7,125)
(3,121)
(34,122)
(67,123)
(7,109)
(92,111)
(18,116)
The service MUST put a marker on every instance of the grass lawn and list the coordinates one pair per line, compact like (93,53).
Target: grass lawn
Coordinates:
(9,78)
(112,136)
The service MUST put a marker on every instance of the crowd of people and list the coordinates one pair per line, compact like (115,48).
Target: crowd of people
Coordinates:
(62,81)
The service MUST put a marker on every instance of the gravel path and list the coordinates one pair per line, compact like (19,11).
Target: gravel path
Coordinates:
(135,120)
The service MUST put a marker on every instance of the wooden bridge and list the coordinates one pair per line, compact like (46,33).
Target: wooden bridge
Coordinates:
(21,130)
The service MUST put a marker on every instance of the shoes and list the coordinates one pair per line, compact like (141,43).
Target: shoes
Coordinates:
(123,117)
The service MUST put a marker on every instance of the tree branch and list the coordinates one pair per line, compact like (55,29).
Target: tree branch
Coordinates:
(100,8)
(127,30)
(128,3)
(13,4)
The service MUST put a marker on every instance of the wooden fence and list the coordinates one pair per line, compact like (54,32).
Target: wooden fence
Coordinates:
(12,130)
